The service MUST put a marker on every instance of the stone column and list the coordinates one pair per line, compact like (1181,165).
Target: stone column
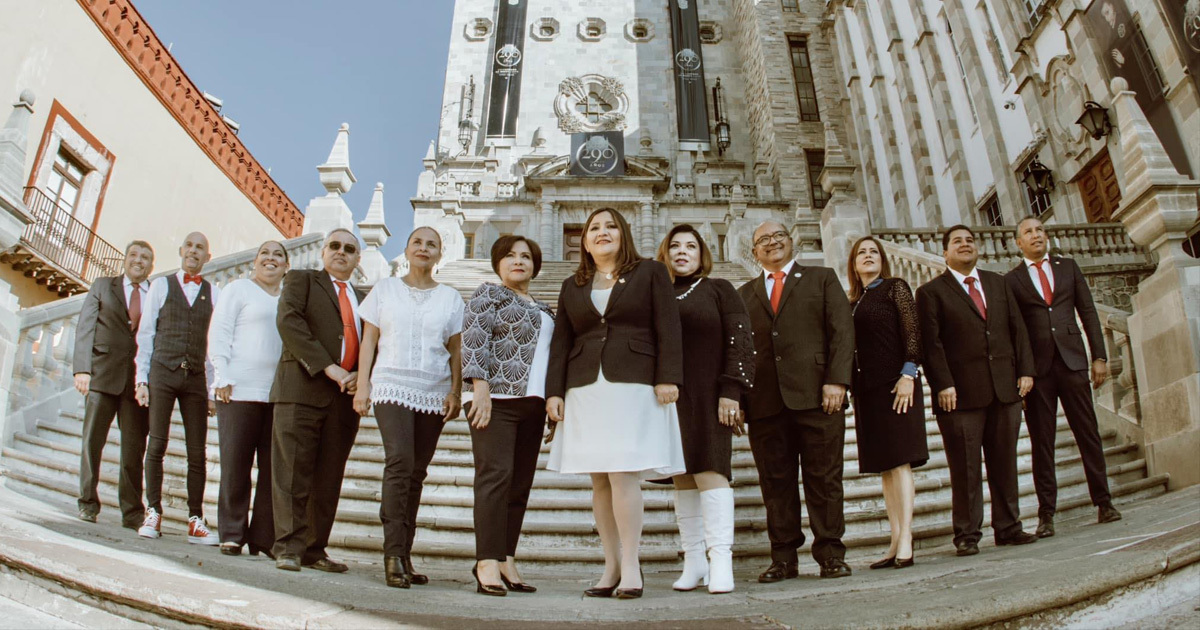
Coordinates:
(547,228)
(14,139)
(648,232)
(844,219)
(1158,206)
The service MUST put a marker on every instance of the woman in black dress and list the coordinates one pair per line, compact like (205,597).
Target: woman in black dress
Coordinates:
(889,409)
(718,365)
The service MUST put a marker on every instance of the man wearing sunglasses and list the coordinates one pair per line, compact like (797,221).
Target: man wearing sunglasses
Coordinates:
(804,350)
(315,422)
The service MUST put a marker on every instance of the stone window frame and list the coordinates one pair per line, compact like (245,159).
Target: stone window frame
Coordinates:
(573,89)
(586,26)
(471,30)
(536,29)
(64,133)
(717,32)
(636,23)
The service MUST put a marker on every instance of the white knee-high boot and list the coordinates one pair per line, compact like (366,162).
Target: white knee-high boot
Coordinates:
(717,506)
(690,518)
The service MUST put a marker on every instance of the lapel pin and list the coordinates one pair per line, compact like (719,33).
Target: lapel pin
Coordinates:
(622,280)
(796,275)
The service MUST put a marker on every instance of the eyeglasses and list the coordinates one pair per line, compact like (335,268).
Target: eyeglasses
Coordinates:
(349,248)
(778,237)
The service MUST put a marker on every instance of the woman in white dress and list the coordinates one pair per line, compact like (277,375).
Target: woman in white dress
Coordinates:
(410,368)
(616,362)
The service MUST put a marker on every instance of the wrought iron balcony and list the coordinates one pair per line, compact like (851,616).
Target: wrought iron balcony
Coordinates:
(59,251)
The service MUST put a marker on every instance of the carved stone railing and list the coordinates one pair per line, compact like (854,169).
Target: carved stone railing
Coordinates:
(915,266)
(42,384)
(1119,394)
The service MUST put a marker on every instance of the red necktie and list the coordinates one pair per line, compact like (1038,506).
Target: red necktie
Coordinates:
(1046,291)
(776,290)
(187,277)
(976,296)
(135,308)
(349,330)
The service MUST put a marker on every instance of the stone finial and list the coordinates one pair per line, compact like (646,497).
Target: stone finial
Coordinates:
(539,139)
(336,176)
(373,227)
(646,141)
(14,140)
(430,160)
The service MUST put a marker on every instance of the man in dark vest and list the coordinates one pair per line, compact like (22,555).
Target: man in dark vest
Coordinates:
(172,365)
(105,343)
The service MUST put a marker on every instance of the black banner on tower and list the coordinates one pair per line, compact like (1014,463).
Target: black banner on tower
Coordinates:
(507,63)
(691,102)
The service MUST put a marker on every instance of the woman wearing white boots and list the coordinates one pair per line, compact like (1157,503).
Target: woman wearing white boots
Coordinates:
(718,365)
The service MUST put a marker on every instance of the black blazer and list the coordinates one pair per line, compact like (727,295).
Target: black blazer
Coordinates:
(1054,326)
(980,358)
(809,343)
(310,324)
(105,345)
(638,338)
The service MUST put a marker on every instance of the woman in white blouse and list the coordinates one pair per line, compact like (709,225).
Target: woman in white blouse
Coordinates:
(244,347)
(410,368)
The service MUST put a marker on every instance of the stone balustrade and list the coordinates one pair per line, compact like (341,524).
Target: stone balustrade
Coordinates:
(915,266)
(1120,393)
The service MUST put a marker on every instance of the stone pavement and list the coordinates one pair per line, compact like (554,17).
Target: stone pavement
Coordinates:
(173,580)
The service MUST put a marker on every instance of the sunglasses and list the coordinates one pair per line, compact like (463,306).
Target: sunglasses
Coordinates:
(349,248)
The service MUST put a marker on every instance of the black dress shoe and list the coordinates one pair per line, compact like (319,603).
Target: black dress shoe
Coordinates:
(779,571)
(835,568)
(328,565)
(487,589)
(517,587)
(231,549)
(254,550)
(89,515)
(1019,538)
(1045,528)
(1106,513)
(600,591)
(394,572)
(967,549)
(904,563)
(287,562)
(886,563)
(418,579)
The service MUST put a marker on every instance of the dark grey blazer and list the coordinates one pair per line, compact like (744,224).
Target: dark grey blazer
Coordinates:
(1053,326)
(105,345)
(310,324)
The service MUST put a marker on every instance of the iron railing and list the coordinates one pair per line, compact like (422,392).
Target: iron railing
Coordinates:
(55,235)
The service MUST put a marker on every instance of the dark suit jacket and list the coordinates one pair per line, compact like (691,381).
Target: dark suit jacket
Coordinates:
(980,359)
(809,343)
(310,324)
(1054,326)
(638,338)
(104,343)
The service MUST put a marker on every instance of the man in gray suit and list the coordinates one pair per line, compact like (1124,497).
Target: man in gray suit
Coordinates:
(105,344)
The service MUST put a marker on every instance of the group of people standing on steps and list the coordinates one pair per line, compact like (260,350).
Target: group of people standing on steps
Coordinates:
(646,372)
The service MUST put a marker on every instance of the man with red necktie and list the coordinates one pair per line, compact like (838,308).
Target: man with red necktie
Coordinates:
(105,345)
(315,422)
(978,361)
(804,352)
(1050,290)
(172,365)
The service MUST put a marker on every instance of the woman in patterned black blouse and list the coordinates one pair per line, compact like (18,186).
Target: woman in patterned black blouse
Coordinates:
(718,366)
(506,348)
(889,410)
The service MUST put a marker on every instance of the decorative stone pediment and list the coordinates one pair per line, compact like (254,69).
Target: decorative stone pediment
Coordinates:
(591,102)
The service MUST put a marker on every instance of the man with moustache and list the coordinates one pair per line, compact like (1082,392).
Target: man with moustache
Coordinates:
(172,365)
(315,422)
(804,347)
(1050,290)
(977,359)
(105,344)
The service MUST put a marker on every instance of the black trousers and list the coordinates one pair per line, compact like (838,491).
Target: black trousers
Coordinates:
(816,439)
(1041,411)
(190,389)
(409,441)
(244,429)
(134,422)
(965,433)
(506,453)
(309,449)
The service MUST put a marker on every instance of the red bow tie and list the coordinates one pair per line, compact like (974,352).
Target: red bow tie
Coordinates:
(187,277)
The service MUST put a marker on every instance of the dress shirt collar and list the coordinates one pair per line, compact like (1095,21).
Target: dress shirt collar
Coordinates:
(786,270)
(349,286)
(962,279)
(1033,263)
(129,284)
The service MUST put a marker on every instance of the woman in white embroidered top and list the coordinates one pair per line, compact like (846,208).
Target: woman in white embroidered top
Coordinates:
(410,368)
(244,347)
(506,348)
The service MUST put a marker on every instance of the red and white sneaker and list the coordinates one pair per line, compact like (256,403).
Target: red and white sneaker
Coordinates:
(152,526)
(199,534)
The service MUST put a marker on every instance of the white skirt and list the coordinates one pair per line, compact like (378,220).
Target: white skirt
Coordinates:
(617,427)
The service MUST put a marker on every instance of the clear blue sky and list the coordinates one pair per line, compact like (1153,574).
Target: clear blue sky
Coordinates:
(291,72)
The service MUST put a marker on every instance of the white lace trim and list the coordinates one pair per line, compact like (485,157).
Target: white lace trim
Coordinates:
(415,399)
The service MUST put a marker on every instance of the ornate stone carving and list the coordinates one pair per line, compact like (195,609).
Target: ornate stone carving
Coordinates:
(575,90)
(1068,96)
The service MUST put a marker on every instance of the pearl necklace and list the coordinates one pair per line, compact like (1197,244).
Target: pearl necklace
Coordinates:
(690,289)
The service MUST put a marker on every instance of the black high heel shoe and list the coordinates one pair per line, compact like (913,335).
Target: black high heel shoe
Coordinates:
(886,563)
(487,589)
(255,550)
(904,563)
(632,593)
(517,587)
